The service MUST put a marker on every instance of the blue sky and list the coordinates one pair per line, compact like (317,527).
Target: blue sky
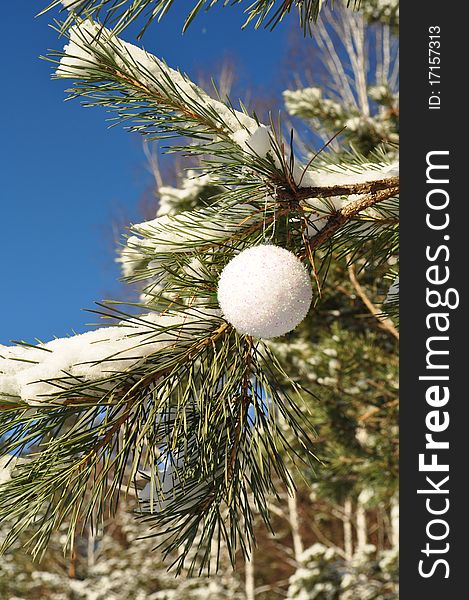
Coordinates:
(66,178)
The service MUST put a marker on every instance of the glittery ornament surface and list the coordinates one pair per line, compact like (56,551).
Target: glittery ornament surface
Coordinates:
(265,291)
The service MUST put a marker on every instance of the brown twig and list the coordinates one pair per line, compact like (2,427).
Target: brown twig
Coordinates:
(376,409)
(384,322)
(345,214)
(368,187)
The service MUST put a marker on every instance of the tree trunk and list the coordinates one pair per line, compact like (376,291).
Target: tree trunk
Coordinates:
(91,558)
(395,521)
(295,525)
(250,577)
(348,533)
(362,527)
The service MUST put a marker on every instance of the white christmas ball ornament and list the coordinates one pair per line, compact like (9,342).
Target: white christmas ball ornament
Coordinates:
(265,291)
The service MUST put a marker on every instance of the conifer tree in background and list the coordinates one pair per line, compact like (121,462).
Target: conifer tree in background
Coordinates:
(205,419)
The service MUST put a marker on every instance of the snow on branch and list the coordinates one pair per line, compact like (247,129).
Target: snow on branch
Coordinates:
(35,373)
(95,53)
(163,102)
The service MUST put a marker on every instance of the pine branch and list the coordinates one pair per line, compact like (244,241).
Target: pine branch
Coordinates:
(178,393)
(139,86)
(119,14)
(162,103)
(209,398)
